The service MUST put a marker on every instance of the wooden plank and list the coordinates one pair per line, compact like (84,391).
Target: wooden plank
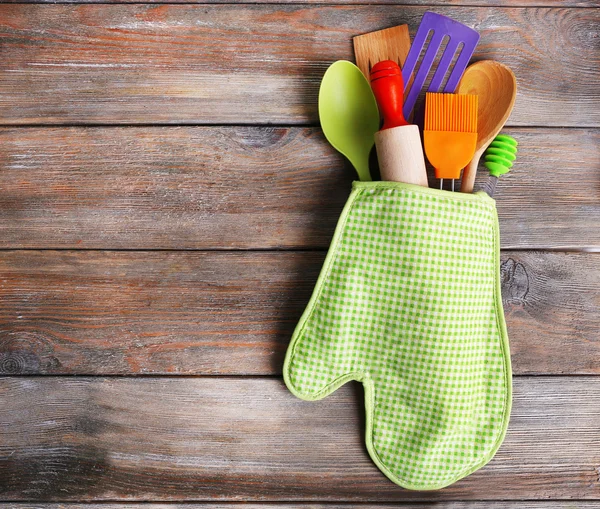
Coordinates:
(168,439)
(261,64)
(252,188)
(521,504)
(429,3)
(169,188)
(122,313)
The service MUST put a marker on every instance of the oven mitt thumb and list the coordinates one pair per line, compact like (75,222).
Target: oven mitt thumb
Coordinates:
(408,303)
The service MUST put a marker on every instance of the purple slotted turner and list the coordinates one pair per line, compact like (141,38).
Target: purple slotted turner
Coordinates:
(441,26)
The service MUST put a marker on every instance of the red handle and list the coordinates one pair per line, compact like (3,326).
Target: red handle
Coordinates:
(388,87)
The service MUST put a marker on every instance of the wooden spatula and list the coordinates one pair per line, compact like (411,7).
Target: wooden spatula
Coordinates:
(388,44)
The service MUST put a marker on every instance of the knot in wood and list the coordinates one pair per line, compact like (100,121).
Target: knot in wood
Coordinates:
(13,363)
(515,282)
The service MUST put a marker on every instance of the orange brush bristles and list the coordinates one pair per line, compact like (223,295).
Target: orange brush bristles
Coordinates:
(451,112)
(450,135)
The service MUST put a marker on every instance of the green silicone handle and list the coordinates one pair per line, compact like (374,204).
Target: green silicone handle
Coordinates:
(500,155)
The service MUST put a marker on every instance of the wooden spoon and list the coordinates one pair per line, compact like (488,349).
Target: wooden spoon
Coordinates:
(496,86)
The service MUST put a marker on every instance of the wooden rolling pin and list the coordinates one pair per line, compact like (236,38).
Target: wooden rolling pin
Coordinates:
(400,155)
(398,143)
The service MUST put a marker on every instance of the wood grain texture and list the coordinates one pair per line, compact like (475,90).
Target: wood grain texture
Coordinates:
(388,44)
(103,313)
(229,439)
(429,3)
(252,188)
(261,64)
(175,188)
(521,504)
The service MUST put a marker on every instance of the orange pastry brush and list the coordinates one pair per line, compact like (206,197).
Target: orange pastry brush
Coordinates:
(450,135)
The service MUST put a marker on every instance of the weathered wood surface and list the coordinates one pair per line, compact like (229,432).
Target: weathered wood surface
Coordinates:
(428,3)
(229,439)
(522,504)
(252,187)
(234,313)
(241,64)
(178,439)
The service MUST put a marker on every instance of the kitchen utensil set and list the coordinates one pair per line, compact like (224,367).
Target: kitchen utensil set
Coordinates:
(410,266)
(458,127)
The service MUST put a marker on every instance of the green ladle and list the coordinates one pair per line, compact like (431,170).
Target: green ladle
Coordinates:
(348,114)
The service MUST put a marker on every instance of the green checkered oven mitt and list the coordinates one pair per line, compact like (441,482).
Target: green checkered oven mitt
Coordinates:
(408,303)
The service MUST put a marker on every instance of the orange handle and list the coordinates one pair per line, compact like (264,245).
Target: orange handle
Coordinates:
(449,152)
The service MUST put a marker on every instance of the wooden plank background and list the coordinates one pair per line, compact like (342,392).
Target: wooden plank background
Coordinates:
(226,313)
(521,504)
(166,200)
(252,188)
(432,3)
(231,439)
(252,63)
